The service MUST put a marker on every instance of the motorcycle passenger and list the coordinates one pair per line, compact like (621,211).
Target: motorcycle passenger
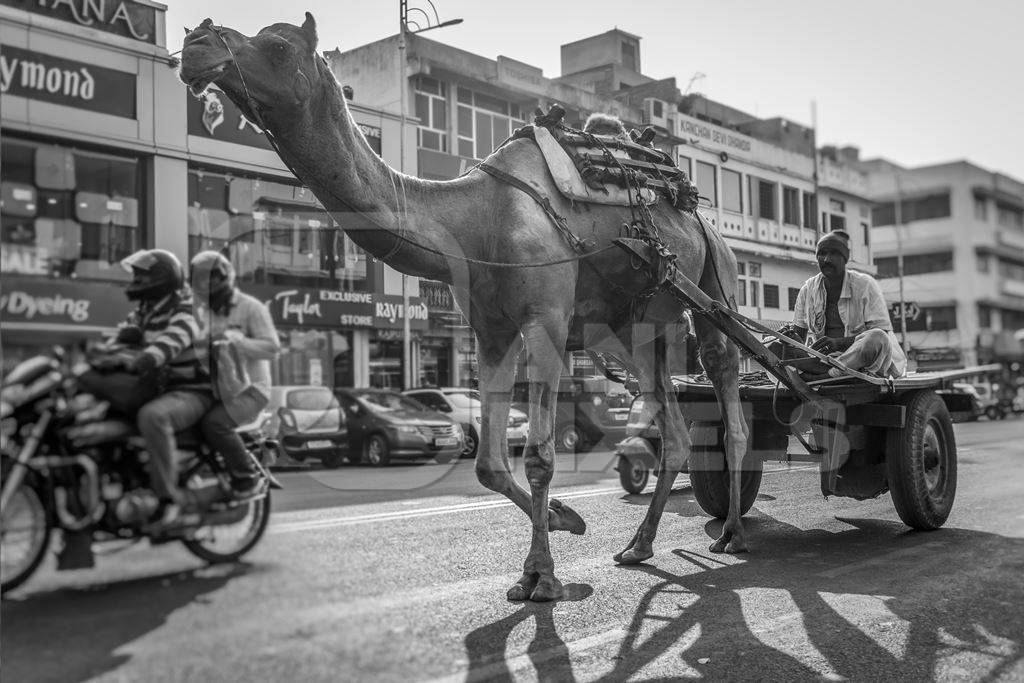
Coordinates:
(169,331)
(227,315)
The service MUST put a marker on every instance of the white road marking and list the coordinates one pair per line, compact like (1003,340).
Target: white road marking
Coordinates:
(280,527)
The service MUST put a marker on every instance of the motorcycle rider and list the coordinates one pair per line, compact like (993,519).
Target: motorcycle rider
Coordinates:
(227,315)
(169,330)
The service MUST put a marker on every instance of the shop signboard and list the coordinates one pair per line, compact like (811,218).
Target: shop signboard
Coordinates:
(41,76)
(332,309)
(133,20)
(437,295)
(61,302)
(213,115)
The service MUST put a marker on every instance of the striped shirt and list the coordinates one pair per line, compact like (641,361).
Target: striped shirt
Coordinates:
(169,331)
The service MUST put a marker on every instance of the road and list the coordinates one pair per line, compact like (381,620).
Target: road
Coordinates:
(409,584)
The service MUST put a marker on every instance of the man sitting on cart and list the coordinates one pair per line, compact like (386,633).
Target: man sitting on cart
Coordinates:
(846,315)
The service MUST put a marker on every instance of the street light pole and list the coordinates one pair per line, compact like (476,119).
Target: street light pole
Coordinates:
(403,84)
(898,218)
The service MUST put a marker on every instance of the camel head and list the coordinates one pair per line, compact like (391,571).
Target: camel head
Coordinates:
(270,76)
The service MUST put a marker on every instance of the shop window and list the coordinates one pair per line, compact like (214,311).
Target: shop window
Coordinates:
(793,292)
(431,108)
(386,364)
(771,296)
(754,294)
(754,269)
(484,122)
(1009,216)
(915,264)
(684,164)
(790,205)
(763,199)
(810,209)
(732,195)
(984,316)
(913,209)
(274,232)
(865,230)
(983,263)
(741,293)
(836,222)
(68,212)
(980,208)
(706,185)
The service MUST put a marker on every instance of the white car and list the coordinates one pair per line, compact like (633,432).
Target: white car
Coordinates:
(463,405)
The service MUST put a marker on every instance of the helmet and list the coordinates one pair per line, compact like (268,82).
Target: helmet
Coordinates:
(155,274)
(212,277)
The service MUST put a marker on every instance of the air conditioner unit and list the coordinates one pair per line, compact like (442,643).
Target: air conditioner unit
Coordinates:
(656,113)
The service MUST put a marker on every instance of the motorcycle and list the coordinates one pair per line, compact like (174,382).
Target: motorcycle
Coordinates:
(70,463)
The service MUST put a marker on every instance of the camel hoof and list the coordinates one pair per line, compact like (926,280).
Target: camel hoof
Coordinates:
(522,588)
(633,556)
(561,517)
(736,546)
(548,588)
(719,546)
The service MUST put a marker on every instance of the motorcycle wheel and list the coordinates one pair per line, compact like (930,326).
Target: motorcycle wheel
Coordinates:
(228,542)
(24,524)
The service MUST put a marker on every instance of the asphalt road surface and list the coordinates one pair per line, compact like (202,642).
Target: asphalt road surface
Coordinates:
(408,584)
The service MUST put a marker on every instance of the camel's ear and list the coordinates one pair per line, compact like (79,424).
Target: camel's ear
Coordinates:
(309,30)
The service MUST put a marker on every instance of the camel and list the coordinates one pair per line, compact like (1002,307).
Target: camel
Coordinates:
(467,232)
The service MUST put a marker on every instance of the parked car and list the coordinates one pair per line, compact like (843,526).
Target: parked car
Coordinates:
(464,406)
(307,421)
(590,410)
(383,424)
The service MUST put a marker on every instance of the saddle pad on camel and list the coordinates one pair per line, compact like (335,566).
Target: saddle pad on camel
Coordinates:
(569,182)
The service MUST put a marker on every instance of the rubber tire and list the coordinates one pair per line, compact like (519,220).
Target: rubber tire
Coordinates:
(918,505)
(569,438)
(709,474)
(474,438)
(333,460)
(385,455)
(30,568)
(633,474)
(200,551)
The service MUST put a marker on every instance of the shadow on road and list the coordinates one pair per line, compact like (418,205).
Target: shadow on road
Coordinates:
(547,651)
(807,605)
(74,634)
(737,610)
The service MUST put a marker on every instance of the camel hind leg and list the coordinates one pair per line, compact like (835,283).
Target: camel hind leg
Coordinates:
(721,360)
(656,384)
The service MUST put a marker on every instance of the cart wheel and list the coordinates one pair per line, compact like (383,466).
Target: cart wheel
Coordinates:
(633,474)
(709,475)
(921,462)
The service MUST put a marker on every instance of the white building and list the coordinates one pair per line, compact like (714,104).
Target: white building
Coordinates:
(961,232)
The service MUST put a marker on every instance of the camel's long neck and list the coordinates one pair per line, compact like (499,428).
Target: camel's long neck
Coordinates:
(372,202)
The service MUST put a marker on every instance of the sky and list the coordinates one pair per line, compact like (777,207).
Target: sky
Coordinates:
(914,81)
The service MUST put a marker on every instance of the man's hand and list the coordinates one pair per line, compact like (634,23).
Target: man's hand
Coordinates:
(142,365)
(829,345)
(233,335)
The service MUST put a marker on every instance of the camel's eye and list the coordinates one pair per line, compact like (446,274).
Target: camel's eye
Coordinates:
(279,50)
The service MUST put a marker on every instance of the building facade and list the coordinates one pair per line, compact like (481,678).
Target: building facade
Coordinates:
(960,230)
(757,177)
(105,152)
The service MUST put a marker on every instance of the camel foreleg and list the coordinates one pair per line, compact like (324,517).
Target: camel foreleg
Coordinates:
(545,345)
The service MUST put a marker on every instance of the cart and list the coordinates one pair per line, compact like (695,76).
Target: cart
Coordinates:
(868,434)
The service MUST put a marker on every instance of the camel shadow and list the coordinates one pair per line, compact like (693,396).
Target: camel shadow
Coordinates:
(807,607)
(547,651)
(680,502)
(75,634)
